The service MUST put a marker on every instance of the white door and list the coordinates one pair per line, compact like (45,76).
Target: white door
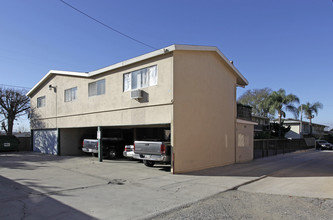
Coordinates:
(45,141)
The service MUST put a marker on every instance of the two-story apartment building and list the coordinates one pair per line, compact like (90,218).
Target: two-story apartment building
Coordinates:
(188,90)
(298,129)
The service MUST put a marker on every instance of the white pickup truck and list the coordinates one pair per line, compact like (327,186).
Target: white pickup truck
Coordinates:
(152,152)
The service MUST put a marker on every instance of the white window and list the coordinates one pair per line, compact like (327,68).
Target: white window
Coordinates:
(70,94)
(127,81)
(140,78)
(96,88)
(40,102)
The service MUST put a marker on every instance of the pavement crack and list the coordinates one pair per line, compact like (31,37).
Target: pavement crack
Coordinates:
(113,182)
(117,182)
(83,173)
(247,183)
(24,209)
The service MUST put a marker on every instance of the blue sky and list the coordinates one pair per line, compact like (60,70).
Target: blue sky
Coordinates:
(274,43)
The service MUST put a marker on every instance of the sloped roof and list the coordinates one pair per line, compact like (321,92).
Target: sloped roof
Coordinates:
(241,80)
(296,121)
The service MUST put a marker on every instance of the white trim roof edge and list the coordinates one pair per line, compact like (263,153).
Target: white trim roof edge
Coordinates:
(296,121)
(133,60)
(241,121)
(57,72)
(211,48)
(138,59)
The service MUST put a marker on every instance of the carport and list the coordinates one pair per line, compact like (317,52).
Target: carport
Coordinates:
(70,139)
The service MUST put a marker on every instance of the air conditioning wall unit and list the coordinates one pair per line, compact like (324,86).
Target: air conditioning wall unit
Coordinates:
(136,94)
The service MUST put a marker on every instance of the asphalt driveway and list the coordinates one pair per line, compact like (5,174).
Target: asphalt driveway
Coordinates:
(36,186)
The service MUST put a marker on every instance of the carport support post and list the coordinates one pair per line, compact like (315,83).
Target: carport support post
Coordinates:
(100,148)
(58,142)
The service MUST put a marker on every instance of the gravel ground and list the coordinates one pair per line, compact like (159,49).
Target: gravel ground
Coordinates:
(244,205)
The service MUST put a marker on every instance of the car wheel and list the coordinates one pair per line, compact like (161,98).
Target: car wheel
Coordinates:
(148,163)
(111,154)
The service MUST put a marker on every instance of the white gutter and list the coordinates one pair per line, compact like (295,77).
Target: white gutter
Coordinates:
(56,72)
(241,121)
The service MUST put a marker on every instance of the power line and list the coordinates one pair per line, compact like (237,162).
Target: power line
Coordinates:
(107,26)
(21,87)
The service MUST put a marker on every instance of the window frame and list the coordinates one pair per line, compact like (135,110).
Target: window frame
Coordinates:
(41,101)
(95,84)
(71,94)
(144,82)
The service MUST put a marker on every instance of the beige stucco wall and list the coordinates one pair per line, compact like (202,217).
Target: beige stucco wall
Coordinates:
(115,107)
(244,142)
(204,111)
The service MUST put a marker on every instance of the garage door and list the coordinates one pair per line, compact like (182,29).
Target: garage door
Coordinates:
(45,141)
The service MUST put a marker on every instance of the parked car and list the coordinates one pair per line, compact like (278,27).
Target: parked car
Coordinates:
(152,152)
(128,151)
(323,145)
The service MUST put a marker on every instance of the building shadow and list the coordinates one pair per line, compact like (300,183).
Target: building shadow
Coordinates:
(27,160)
(21,202)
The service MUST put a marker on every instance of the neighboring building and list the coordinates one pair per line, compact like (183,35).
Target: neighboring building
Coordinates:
(298,129)
(263,124)
(190,90)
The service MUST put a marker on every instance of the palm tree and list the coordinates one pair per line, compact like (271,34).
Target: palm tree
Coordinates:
(309,110)
(279,102)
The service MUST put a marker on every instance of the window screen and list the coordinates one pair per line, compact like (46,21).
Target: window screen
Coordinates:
(96,88)
(40,102)
(140,78)
(70,94)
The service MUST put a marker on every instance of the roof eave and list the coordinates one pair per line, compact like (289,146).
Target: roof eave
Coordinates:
(55,72)
(241,121)
(240,78)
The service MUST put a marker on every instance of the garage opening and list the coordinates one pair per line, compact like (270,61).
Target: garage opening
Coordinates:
(113,139)
(153,133)
(71,139)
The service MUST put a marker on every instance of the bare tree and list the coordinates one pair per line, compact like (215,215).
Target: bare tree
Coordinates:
(13,104)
